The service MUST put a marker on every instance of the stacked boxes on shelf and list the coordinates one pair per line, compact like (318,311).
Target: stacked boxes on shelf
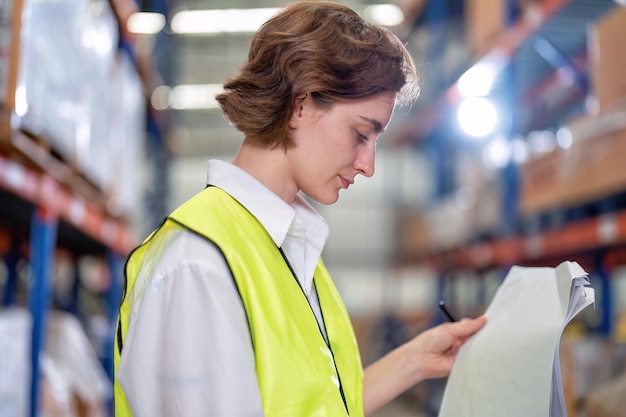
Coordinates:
(591,167)
(72,128)
(79,97)
(607,56)
(126,138)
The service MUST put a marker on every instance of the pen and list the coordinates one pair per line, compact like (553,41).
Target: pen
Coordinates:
(442,307)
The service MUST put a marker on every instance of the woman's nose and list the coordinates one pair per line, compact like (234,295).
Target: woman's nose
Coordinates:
(365,161)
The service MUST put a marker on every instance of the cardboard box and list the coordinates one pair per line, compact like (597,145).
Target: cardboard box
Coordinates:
(412,232)
(468,212)
(484,22)
(607,60)
(539,178)
(591,169)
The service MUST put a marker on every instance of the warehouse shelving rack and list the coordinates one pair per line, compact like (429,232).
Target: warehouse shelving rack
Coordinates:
(508,244)
(47,204)
(592,232)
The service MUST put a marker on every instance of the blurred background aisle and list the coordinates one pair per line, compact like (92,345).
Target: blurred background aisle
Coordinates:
(513,154)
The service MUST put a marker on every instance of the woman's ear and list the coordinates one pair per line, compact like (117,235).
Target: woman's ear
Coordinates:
(299,104)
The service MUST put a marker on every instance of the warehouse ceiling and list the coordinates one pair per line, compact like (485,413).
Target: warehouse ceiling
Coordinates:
(439,47)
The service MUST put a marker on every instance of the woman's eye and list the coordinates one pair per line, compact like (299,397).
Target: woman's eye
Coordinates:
(361,137)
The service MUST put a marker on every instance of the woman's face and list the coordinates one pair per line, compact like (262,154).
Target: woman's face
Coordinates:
(334,145)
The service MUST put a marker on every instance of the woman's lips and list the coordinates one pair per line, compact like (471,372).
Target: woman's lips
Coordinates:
(346,183)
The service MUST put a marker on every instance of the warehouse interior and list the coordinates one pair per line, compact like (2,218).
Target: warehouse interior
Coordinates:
(512,155)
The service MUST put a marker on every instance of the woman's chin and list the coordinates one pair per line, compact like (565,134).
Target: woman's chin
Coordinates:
(325,199)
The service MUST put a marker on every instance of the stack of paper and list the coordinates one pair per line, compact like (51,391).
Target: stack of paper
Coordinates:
(511,367)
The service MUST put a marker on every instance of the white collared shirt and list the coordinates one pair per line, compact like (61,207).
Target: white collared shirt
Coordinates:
(188,350)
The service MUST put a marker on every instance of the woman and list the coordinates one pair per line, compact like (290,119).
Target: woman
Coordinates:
(228,309)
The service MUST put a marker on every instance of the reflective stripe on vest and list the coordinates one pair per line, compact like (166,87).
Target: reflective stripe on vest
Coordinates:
(296,369)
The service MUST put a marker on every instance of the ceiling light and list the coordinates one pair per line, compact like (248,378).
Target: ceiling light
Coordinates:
(160,97)
(564,138)
(221,20)
(542,141)
(194,96)
(145,23)
(477,116)
(498,153)
(477,81)
(519,150)
(384,14)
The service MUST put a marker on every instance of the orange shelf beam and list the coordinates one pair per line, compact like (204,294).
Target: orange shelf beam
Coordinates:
(605,232)
(43,190)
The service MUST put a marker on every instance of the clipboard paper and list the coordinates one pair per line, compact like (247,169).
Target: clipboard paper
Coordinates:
(511,367)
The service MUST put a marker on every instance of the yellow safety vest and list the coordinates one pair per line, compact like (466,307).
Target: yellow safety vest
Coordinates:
(299,374)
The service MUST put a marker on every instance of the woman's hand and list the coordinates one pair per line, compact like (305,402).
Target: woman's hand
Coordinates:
(430,354)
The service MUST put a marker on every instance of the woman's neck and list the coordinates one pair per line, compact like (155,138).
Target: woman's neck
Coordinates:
(269,166)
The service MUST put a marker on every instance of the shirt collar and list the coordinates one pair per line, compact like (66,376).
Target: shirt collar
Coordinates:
(269,209)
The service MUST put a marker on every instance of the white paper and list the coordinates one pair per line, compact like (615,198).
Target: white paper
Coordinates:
(507,368)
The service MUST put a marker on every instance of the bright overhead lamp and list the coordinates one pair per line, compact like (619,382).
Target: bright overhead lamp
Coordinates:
(145,23)
(477,116)
(384,14)
(498,152)
(221,20)
(519,150)
(160,97)
(478,80)
(186,97)
(564,138)
(195,96)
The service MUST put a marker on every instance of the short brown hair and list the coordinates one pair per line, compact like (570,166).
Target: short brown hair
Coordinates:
(319,47)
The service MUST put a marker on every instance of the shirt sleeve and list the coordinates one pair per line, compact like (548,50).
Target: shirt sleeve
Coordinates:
(188,350)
